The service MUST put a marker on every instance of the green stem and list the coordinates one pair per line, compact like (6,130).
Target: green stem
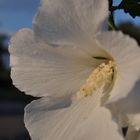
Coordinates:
(111,22)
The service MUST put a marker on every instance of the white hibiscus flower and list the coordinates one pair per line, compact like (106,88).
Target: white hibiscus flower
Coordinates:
(77,68)
(132,134)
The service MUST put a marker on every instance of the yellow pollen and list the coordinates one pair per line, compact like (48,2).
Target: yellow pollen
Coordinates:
(99,78)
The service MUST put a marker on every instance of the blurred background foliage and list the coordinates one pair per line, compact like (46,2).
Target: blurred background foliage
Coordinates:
(131,7)
(14,15)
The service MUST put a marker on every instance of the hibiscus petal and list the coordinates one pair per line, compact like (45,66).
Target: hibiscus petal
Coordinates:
(82,120)
(60,21)
(132,134)
(129,108)
(126,54)
(41,70)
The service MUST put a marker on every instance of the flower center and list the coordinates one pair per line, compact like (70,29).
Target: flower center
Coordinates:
(100,78)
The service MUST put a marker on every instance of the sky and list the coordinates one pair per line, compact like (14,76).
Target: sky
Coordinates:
(16,14)
(120,16)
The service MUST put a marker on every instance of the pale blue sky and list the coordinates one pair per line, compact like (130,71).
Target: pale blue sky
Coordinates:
(120,16)
(16,14)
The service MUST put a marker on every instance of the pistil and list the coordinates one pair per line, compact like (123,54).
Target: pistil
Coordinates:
(99,78)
